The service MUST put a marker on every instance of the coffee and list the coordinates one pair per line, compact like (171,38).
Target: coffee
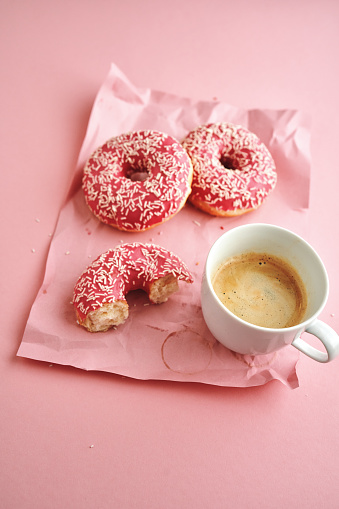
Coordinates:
(261,289)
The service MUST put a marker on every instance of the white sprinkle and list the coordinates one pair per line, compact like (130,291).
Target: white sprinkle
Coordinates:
(37,220)
(67,252)
(91,446)
(50,234)
(332,314)
(197,223)
(146,304)
(33,250)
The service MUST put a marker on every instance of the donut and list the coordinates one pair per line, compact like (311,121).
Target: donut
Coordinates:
(99,295)
(233,171)
(137,180)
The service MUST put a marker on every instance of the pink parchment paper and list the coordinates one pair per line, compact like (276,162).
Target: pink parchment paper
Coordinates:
(169,341)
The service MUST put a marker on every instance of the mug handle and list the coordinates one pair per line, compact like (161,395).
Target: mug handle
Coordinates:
(327,336)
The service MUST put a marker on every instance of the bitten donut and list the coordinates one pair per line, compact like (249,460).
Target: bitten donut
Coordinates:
(233,171)
(137,180)
(99,294)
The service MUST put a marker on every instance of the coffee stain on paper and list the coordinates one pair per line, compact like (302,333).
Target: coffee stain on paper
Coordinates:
(186,351)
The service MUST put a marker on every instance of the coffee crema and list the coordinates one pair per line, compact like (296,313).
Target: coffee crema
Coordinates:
(261,289)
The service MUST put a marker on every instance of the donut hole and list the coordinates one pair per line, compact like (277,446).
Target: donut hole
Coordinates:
(228,162)
(137,173)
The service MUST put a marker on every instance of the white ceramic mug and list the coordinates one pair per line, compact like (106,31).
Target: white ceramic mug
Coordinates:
(245,338)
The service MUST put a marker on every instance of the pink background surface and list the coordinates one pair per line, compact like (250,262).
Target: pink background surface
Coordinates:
(72,438)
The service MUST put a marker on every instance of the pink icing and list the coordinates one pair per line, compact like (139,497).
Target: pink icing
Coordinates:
(127,267)
(137,180)
(232,169)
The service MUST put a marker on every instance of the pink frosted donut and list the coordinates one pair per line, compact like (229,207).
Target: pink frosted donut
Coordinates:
(233,171)
(99,294)
(137,180)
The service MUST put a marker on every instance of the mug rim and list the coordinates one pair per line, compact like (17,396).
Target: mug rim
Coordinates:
(302,325)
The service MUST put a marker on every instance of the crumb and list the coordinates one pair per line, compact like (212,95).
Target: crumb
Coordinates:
(197,263)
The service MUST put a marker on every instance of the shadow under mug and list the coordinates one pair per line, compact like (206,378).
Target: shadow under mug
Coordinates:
(246,338)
